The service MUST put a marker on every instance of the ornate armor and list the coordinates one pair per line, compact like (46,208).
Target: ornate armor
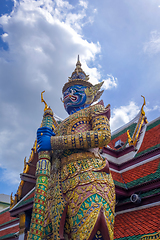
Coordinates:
(80,184)
(79,196)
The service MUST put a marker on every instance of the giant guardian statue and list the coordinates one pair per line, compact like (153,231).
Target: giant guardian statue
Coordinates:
(75,194)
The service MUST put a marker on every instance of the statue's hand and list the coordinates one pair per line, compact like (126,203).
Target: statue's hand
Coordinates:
(44,139)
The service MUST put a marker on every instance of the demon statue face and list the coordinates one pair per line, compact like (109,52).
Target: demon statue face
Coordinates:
(74,98)
(78,92)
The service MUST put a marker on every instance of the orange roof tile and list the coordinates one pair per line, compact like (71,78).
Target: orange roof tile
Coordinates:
(117,177)
(141,171)
(138,222)
(123,138)
(9,230)
(5,216)
(151,138)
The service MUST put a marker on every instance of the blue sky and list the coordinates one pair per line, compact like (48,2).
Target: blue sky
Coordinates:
(118,42)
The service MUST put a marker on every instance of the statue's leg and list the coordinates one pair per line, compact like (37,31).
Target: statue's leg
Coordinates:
(101,227)
(91,208)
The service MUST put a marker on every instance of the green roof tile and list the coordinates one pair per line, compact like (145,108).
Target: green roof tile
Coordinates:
(119,184)
(152,125)
(5,210)
(131,128)
(147,150)
(25,202)
(137,237)
(13,220)
(8,236)
(145,179)
(22,202)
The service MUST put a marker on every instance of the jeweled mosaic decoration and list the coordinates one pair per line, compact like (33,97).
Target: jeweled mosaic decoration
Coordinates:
(42,172)
(79,193)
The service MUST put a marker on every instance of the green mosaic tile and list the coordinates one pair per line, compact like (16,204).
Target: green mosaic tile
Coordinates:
(119,184)
(131,128)
(5,210)
(156,123)
(150,177)
(24,202)
(152,192)
(137,237)
(9,222)
(147,150)
(130,238)
(8,236)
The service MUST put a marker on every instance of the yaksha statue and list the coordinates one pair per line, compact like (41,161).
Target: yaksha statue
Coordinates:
(80,196)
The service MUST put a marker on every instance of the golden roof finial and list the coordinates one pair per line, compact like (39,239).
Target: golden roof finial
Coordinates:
(26,166)
(25,163)
(142,119)
(42,100)
(11,201)
(142,111)
(129,138)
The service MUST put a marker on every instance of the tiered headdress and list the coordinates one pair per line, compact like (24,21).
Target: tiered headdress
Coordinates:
(79,77)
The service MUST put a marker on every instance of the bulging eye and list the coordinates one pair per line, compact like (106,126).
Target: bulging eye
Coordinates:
(72,91)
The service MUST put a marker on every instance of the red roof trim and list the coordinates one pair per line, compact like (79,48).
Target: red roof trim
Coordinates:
(135,160)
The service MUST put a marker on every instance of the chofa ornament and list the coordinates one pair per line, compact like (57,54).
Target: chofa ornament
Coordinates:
(80,193)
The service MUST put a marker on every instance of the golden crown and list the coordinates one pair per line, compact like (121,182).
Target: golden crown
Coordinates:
(78,77)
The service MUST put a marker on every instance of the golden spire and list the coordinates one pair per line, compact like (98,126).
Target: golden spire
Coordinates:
(25,163)
(142,119)
(11,201)
(142,111)
(26,166)
(78,66)
(42,100)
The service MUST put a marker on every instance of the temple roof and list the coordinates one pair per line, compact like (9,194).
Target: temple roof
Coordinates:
(138,175)
(151,139)
(135,224)
(135,169)
(9,226)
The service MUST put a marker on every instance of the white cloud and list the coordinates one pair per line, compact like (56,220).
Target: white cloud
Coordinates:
(154,108)
(110,82)
(123,115)
(44,39)
(83,3)
(153,45)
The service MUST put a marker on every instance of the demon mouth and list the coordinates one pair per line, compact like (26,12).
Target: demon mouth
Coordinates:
(72,97)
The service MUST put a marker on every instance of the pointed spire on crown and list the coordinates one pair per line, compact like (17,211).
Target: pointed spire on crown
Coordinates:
(78,64)
(78,77)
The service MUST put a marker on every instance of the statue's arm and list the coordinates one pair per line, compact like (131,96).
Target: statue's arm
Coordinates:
(99,136)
